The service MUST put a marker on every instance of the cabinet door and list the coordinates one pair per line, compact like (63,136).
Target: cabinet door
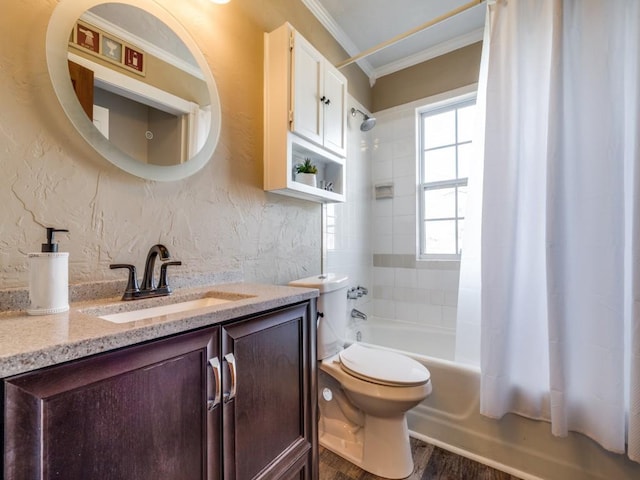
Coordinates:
(138,413)
(268,426)
(307,88)
(335,108)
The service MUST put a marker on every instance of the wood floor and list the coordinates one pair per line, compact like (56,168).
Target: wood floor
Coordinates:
(430,463)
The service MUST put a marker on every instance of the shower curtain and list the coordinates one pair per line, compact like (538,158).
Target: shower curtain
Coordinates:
(557,269)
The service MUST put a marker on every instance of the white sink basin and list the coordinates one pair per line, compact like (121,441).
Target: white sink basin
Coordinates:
(143,309)
(145,313)
(154,307)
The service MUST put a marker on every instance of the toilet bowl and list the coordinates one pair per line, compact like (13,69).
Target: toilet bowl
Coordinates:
(363,392)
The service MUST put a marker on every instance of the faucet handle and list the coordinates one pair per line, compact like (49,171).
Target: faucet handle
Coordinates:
(132,289)
(162,283)
(356,292)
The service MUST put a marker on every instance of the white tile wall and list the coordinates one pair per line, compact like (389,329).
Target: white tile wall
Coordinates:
(382,171)
(406,277)
(364,226)
(351,251)
(404,166)
(418,295)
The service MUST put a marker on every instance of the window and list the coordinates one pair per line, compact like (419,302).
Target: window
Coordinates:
(446,153)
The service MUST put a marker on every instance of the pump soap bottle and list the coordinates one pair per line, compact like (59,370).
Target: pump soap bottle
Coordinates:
(49,278)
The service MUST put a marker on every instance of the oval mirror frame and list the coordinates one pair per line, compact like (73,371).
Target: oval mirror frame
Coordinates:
(61,23)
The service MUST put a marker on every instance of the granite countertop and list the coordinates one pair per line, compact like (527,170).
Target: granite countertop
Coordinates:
(31,342)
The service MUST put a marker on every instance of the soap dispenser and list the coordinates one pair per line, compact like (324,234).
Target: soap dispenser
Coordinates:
(49,278)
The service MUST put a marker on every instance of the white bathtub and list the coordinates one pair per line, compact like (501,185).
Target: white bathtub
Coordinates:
(432,342)
(450,418)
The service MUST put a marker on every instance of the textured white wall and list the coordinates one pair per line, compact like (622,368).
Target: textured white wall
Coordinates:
(216,220)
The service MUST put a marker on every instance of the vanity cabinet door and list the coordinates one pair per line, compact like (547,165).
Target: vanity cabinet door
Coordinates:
(138,413)
(269,426)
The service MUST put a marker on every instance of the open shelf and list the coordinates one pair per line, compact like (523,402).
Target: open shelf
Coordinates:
(331,171)
(330,176)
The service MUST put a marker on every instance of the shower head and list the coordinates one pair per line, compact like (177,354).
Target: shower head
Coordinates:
(368,123)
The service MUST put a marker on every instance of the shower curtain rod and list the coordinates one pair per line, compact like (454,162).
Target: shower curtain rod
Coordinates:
(408,33)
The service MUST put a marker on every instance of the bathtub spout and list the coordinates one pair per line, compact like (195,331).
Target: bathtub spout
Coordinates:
(358,314)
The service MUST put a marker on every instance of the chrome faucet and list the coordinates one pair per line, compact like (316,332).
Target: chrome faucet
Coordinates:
(356,292)
(148,288)
(358,314)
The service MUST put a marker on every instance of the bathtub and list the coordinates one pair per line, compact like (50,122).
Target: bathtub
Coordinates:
(450,418)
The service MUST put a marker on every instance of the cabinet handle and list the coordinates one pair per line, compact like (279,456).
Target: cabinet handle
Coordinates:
(231,360)
(323,99)
(327,101)
(215,365)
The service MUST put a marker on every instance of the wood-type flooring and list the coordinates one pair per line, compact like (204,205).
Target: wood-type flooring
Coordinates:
(430,463)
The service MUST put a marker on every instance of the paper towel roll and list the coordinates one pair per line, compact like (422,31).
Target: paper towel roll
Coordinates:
(48,283)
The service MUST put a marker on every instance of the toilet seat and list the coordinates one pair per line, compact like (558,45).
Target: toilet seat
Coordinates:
(382,367)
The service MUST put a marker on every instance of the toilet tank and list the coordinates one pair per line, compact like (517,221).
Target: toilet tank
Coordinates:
(332,311)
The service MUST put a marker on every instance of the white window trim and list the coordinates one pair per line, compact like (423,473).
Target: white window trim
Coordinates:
(431,104)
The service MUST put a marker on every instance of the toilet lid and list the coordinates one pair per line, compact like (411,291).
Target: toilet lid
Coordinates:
(383,367)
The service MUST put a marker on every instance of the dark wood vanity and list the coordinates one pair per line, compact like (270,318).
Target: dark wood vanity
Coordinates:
(150,410)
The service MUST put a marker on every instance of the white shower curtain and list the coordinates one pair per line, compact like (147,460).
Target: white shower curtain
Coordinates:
(560,229)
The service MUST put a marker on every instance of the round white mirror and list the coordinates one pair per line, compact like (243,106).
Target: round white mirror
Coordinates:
(135,86)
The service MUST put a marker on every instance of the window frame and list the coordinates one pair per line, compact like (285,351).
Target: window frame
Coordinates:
(448,104)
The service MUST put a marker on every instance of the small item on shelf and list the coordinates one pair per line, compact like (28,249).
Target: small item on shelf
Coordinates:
(306,173)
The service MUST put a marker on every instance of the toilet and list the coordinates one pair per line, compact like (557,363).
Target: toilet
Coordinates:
(363,392)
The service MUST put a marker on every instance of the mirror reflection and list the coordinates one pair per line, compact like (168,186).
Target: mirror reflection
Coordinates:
(139,84)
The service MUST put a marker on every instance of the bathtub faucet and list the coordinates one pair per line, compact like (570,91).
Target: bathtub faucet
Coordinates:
(358,314)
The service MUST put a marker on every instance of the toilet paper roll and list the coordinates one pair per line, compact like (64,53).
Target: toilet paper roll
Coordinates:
(48,283)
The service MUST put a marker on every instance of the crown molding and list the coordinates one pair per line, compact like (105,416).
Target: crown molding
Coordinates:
(374,73)
(339,35)
(433,52)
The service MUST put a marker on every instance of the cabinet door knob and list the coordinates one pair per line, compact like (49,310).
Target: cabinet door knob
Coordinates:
(215,365)
(231,361)
(323,99)
(327,101)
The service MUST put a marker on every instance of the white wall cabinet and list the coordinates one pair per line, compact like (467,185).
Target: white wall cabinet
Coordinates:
(319,98)
(305,117)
